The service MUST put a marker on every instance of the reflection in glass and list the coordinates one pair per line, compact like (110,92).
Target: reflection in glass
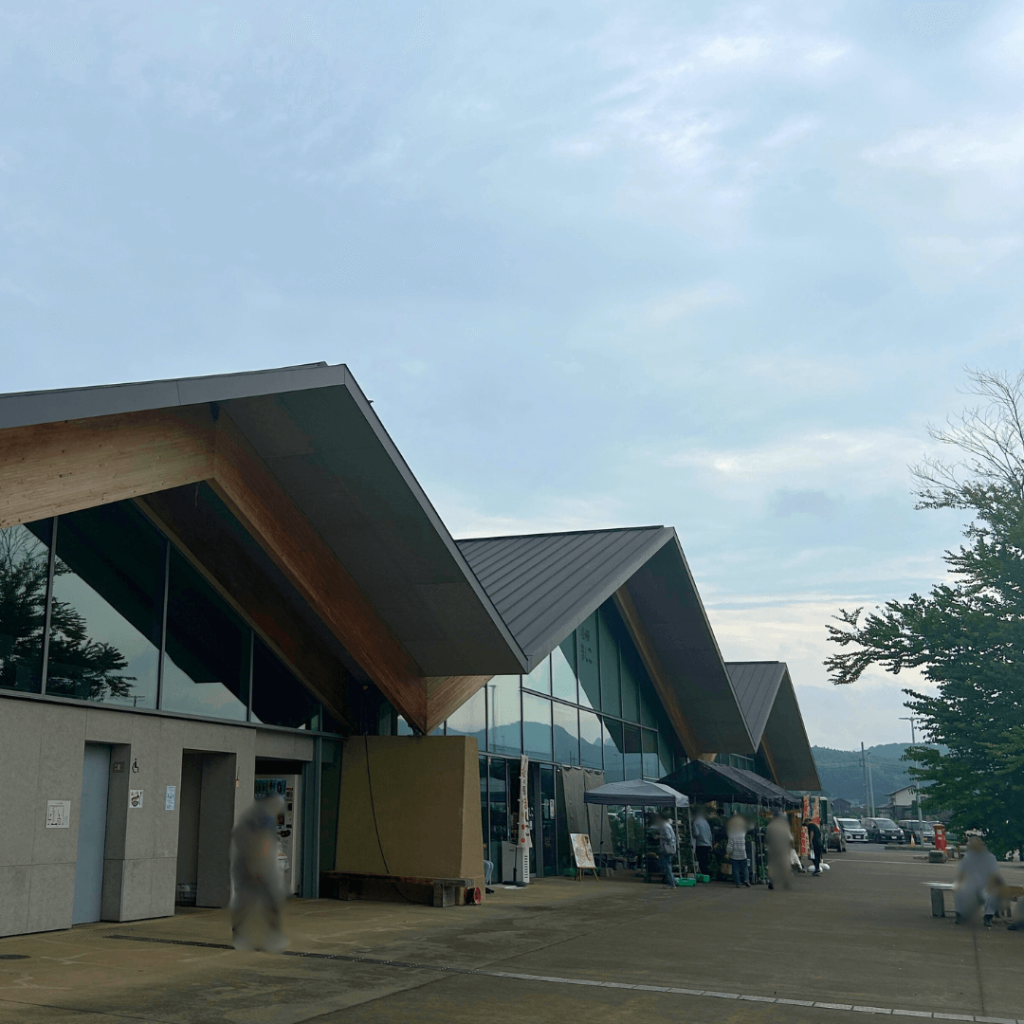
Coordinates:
(206,665)
(649,743)
(499,812)
(633,767)
(537,727)
(278,698)
(567,738)
(631,671)
(614,761)
(664,753)
(563,674)
(107,612)
(611,630)
(483,804)
(469,720)
(590,740)
(24,568)
(404,728)
(587,665)
(648,703)
(503,725)
(546,819)
(540,678)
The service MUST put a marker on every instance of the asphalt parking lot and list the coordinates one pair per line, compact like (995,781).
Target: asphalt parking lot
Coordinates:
(859,941)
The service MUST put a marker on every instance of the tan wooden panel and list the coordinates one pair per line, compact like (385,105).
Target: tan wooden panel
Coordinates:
(62,467)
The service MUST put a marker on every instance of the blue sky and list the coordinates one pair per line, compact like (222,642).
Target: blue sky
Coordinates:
(714,265)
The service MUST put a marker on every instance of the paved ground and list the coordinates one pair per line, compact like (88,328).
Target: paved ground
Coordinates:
(860,938)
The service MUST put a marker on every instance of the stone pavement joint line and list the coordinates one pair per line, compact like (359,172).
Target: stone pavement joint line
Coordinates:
(440,969)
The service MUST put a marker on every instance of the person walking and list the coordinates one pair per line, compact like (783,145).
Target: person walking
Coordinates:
(666,847)
(257,881)
(814,837)
(780,844)
(702,839)
(736,850)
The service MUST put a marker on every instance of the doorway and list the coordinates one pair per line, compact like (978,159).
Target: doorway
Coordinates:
(92,834)
(206,816)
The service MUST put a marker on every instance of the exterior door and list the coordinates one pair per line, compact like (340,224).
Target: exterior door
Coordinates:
(92,834)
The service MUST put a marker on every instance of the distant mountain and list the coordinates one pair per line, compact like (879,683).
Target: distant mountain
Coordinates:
(841,773)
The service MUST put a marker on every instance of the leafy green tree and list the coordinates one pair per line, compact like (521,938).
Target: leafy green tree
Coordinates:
(967,634)
(79,666)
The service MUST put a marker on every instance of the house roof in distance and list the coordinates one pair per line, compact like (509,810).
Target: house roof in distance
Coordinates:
(772,712)
(319,436)
(545,585)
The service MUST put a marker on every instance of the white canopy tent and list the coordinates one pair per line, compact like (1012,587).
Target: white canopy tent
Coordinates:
(641,793)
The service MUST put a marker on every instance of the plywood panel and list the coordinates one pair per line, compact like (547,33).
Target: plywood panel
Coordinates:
(62,467)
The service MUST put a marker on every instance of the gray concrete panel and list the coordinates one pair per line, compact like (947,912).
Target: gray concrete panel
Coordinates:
(51,896)
(58,776)
(19,766)
(14,893)
(285,745)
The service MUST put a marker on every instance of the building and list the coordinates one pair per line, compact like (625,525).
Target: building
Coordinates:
(214,586)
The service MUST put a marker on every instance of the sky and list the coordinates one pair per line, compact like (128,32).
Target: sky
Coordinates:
(711,265)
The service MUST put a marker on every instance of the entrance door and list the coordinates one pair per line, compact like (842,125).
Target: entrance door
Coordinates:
(92,834)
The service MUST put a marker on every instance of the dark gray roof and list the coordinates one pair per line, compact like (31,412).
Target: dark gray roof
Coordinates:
(545,585)
(319,436)
(766,688)
(756,683)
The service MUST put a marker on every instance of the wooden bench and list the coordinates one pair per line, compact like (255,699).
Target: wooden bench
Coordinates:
(437,892)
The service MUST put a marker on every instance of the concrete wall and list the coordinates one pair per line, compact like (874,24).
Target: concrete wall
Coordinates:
(426,795)
(42,746)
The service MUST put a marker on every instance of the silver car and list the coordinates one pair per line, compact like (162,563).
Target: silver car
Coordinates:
(853,831)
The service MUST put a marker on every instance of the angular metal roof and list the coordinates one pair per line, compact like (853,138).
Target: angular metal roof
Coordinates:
(545,585)
(768,699)
(319,436)
(756,683)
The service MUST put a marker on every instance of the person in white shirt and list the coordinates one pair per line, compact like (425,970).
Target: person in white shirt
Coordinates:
(666,847)
(736,850)
(978,882)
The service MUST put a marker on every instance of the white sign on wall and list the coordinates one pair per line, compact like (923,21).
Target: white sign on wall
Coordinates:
(169,798)
(134,799)
(58,813)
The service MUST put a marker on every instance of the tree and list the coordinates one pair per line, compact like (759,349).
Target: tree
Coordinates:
(79,666)
(967,634)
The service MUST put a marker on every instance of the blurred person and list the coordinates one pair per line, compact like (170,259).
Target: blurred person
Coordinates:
(978,883)
(736,850)
(488,871)
(702,841)
(666,846)
(257,881)
(814,837)
(779,840)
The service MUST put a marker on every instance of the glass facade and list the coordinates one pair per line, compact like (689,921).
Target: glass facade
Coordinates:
(590,704)
(100,606)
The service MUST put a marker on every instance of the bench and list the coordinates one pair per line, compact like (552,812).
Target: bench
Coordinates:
(938,895)
(437,892)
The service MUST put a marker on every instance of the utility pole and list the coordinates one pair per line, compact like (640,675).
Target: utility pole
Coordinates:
(913,742)
(867,790)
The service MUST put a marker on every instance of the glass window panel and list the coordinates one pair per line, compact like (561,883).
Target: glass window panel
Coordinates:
(498,796)
(590,740)
(540,678)
(546,818)
(330,794)
(630,668)
(24,568)
(634,762)
(537,727)
(613,751)
(206,668)
(278,698)
(587,664)
(649,742)
(483,804)
(610,632)
(469,719)
(404,728)
(664,756)
(107,611)
(563,675)
(567,734)
(648,704)
(503,715)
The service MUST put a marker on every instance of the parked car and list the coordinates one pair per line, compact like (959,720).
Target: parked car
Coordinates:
(922,830)
(882,830)
(853,830)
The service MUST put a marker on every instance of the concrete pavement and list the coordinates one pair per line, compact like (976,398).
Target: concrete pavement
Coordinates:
(860,937)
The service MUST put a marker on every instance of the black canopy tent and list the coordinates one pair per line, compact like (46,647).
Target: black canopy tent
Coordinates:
(709,780)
